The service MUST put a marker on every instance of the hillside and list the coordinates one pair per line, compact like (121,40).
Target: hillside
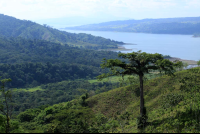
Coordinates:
(12,27)
(29,61)
(172,106)
(187,25)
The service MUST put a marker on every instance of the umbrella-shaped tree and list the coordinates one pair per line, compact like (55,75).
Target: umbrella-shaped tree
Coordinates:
(139,63)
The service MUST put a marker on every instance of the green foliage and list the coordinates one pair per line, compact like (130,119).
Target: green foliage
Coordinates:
(190,83)
(45,73)
(15,127)
(83,100)
(139,63)
(6,104)
(181,66)
(198,62)
(18,50)
(69,118)
(21,60)
(54,93)
(171,100)
(2,123)
(28,115)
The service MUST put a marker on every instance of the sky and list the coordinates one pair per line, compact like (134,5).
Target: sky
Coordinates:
(80,12)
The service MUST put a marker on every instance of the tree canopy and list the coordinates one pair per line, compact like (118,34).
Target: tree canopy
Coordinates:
(138,63)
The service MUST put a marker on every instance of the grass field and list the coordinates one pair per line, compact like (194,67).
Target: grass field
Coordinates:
(29,89)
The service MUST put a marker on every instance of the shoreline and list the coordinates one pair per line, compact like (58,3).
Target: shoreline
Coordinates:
(119,48)
(189,62)
(122,48)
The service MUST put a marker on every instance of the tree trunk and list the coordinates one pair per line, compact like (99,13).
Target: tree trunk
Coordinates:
(141,96)
(7,125)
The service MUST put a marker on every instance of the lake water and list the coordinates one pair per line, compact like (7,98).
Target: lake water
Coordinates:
(180,46)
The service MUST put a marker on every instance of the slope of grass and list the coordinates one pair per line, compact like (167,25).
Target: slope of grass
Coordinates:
(166,102)
(29,89)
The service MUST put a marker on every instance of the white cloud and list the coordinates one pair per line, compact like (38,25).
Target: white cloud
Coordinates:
(41,9)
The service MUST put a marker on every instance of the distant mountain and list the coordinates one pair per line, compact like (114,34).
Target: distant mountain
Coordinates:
(187,25)
(12,27)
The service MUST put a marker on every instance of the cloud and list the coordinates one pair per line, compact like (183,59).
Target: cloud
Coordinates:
(43,9)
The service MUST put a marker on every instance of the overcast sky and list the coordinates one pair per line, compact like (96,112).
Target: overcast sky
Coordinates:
(99,10)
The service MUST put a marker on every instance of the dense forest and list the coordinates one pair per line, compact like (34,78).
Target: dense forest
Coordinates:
(19,50)
(187,25)
(41,62)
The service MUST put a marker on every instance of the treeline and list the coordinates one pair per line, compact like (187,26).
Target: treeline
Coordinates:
(34,74)
(12,27)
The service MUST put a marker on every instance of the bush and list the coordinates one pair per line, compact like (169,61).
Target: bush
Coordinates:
(171,99)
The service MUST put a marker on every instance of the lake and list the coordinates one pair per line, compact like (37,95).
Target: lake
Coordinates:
(180,46)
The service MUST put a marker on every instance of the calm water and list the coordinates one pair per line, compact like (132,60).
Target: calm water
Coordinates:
(181,46)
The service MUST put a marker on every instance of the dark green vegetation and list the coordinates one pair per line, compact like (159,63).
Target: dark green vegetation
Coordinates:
(12,27)
(187,25)
(39,62)
(172,106)
(54,93)
(6,106)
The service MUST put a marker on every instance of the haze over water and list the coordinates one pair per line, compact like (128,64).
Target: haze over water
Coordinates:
(180,46)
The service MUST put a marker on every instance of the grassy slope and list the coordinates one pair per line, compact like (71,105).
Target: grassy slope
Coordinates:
(29,89)
(126,99)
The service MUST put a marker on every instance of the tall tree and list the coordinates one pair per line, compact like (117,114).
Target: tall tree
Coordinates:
(6,107)
(139,63)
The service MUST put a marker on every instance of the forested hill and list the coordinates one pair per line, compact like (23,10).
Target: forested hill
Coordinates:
(187,25)
(12,27)
(19,50)
(42,61)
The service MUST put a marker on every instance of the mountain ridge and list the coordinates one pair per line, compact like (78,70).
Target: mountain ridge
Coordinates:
(182,25)
(12,27)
